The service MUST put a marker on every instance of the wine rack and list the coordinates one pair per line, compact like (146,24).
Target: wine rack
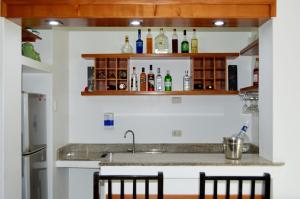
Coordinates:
(209,73)
(111,74)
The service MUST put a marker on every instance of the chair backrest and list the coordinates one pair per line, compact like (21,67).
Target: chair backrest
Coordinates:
(266,179)
(133,178)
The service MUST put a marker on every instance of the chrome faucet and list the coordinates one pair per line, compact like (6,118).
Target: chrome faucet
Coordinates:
(133,139)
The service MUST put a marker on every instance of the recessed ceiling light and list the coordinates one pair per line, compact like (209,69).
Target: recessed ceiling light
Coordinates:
(219,23)
(54,22)
(136,22)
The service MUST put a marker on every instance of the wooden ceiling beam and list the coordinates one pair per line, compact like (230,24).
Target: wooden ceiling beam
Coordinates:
(199,13)
(144,2)
(138,11)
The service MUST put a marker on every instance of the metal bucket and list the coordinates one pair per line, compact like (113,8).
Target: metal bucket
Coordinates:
(233,147)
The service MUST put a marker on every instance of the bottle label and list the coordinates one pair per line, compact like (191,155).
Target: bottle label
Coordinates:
(139,47)
(159,84)
(185,47)
(255,77)
(244,128)
(186,85)
(143,84)
(168,86)
(151,85)
(194,45)
(133,84)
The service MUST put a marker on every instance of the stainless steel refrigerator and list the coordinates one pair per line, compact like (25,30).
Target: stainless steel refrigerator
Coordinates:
(34,146)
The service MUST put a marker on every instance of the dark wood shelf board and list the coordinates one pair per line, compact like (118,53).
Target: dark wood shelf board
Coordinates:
(137,93)
(251,50)
(160,56)
(28,36)
(249,89)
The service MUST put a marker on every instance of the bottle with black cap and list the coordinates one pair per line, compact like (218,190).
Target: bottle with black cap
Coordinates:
(151,80)
(184,43)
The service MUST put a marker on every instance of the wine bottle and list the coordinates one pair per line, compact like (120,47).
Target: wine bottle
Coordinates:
(151,80)
(143,80)
(184,43)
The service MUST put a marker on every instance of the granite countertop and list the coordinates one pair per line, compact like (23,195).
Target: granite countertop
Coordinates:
(181,159)
(95,155)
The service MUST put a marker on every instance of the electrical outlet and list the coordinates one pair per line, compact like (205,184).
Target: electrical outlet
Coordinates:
(176,100)
(176,133)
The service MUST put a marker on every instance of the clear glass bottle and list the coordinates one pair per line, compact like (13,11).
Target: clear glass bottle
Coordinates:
(174,42)
(159,81)
(139,43)
(151,80)
(168,81)
(184,44)
(133,81)
(161,43)
(186,81)
(194,42)
(143,80)
(127,48)
(149,42)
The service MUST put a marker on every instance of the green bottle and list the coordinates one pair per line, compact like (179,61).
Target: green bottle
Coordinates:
(168,81)
(184,44)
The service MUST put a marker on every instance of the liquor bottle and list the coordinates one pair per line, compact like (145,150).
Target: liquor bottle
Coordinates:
(194,42)
(184,44)
(161,43)
(256,73)
(174,42)
(151,80)
(143,80)
(139,43)
(149,42)
(186,81)
(134,81)
(127,48)
(159,81)
(168,81)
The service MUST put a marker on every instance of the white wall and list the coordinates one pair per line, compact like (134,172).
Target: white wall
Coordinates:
(266,89)
(45,46)
(286,97)
(10,111)
(1,111)
(61,108)
(153,117)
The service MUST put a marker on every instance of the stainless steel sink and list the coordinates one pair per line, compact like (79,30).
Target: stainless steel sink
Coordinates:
(148,151)
(108,155)
(152,151)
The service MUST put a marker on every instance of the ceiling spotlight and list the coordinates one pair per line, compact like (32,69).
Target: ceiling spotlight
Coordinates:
(219,23)
(54,22)
(136,22)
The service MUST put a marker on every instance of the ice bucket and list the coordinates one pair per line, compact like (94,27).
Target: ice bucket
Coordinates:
(233,147)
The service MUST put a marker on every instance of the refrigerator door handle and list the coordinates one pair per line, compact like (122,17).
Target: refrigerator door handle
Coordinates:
(27,153)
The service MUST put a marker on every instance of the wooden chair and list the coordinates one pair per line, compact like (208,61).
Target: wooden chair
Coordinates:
(266,179)
(133,178)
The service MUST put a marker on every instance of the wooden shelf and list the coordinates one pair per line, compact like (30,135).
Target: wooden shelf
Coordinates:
(135,93)
(249,89)
(209,75)
(160,56)
(31,66)
(251,50)
(28,36)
